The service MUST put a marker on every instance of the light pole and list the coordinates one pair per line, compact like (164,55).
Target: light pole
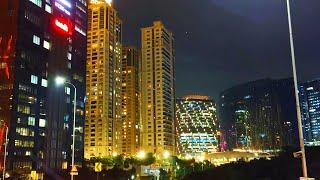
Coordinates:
(5,154)
(60,81)
(301,140)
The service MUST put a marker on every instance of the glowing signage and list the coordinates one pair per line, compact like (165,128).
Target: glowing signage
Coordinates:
(66,3)
(62,26)
(62,8)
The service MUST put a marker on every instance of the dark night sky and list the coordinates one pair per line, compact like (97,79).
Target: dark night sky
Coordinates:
(221,43)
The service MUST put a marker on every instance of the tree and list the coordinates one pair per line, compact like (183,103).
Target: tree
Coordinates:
(119,161)
(150,159)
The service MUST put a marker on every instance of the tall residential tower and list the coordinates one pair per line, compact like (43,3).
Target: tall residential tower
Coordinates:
(103,105)
(157,90)
(131,62)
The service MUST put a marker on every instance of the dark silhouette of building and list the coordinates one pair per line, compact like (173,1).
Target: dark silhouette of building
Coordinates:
(259,115)
(40,40)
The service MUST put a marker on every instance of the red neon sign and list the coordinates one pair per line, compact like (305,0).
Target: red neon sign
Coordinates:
(63,25)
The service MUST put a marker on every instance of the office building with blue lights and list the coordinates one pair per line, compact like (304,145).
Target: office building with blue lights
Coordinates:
(259,115)
(197,125)
(310,111)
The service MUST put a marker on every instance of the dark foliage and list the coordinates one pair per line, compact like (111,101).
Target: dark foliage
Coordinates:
(284,167)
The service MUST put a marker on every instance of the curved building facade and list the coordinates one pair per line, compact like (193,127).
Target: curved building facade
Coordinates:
(197,125)
(259,115)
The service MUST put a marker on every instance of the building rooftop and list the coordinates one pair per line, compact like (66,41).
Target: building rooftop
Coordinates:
(196,97)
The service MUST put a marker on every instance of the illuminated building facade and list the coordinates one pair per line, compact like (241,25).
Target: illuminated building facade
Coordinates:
(310,111)
(38,41)
(259,115)
(131,62)
(103,124)
(157,90)
(197,125)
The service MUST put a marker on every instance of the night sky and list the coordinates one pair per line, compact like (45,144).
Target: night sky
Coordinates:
(222,43)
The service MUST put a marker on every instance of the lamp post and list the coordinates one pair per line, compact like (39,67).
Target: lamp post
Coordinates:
(294,71)
(301,140)
(60,81)
(5,154)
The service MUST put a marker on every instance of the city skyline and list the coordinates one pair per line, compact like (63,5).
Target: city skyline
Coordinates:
(85,85)
(230,23)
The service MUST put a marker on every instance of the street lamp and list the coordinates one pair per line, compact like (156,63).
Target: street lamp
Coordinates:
(141,154)
(62,81)
(114,154)
(166,154)
(294,70)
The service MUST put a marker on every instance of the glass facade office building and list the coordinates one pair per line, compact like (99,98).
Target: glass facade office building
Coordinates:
(259,115)
(310,111)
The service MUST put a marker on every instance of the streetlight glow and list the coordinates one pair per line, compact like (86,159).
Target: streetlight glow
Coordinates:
(60,80)
(141,154)
(188,156)
(63,81)
(114,154)
(201,158)
(166,154)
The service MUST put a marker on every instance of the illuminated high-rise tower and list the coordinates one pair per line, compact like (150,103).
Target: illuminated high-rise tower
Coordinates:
(39,40)
(103,105)
(310,111)
(130,100)
(157,90)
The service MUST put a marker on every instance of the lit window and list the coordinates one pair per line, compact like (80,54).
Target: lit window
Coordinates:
(34,79)
(37,2)
(46,44)
(44,83)
(69,56)
(48,8)
(31,121)
(42,123)
(67,90)
(24,132)
(23,109)
(65,165)
(36,40)
(28,153)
